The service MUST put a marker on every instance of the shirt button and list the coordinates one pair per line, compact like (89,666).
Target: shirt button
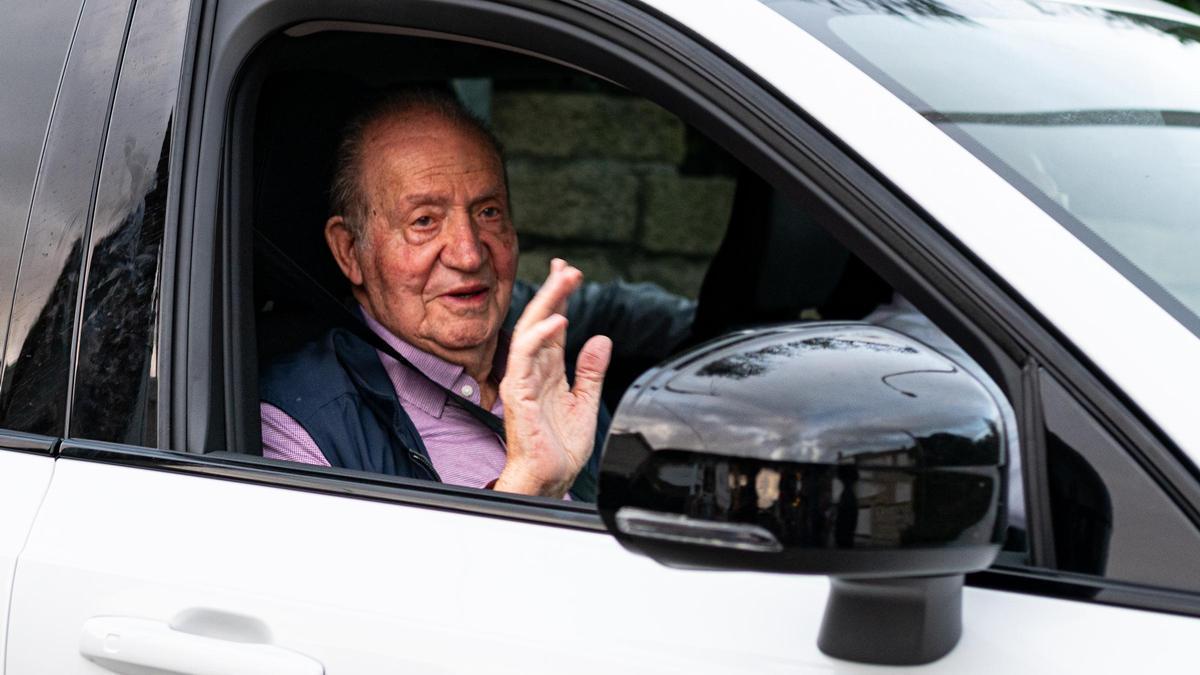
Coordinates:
(467,390)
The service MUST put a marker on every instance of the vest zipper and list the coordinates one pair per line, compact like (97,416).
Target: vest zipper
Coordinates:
(425,464)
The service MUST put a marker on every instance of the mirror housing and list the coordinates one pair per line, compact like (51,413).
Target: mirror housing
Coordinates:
(843,449)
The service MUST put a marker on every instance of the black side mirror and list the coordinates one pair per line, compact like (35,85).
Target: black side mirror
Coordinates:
(824,448)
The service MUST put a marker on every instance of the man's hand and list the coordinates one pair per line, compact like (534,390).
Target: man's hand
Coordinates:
(550,427)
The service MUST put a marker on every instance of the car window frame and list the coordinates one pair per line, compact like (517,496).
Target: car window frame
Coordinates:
(764,130)
(490,24)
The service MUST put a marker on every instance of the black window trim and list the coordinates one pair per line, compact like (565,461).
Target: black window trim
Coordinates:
(176,258)
(1044,582)
(889,231)
(19,441)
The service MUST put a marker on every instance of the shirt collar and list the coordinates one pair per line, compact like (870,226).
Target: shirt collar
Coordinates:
(416,389)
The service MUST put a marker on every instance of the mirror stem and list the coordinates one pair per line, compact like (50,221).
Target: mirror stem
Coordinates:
(898,621)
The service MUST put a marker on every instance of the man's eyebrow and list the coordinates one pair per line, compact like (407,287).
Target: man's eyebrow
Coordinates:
(422,198)
(437,199)
(493,193)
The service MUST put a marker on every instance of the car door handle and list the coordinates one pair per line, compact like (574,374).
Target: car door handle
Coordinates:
(132,646)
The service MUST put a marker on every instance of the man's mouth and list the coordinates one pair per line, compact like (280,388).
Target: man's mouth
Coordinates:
(467,292)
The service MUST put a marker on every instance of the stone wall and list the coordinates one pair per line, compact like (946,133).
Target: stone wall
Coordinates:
(596,179)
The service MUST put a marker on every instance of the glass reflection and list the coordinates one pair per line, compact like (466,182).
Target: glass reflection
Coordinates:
(1093,113)
(822,505)
(758,362)
(36,366)
(115,394)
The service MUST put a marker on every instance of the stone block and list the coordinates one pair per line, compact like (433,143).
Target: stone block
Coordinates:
(577,125)
(686,214)
(590,200)
(678,275)
(596,264)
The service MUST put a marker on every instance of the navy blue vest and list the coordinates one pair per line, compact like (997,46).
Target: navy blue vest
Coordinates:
(337,389)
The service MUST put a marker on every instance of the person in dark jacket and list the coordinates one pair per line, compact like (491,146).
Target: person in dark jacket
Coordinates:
(422,230)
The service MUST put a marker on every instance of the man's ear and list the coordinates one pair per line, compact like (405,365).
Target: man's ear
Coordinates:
(341,243)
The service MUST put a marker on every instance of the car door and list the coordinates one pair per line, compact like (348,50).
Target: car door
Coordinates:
(147,556)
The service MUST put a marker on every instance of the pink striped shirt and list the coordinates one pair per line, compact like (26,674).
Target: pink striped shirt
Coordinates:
(463,450)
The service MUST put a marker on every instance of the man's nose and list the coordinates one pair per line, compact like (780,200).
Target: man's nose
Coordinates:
(463,249)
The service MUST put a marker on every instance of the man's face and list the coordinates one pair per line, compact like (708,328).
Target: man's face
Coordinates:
(439,252)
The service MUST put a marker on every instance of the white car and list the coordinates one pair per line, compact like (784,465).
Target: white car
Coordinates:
(1025,173)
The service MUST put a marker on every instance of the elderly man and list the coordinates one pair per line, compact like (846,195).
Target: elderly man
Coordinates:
(422,231)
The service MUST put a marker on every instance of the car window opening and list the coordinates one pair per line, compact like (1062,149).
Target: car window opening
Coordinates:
(598,176)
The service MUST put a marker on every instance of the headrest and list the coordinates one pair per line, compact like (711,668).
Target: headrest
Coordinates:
(777,260)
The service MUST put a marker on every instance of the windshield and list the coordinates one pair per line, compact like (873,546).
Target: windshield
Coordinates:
(1093,113)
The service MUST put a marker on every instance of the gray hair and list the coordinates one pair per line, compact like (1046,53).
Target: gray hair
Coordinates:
(347,193)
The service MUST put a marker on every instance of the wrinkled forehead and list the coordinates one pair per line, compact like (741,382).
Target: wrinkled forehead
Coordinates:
(419,147)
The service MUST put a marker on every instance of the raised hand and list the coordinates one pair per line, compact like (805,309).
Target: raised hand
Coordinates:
(550,426)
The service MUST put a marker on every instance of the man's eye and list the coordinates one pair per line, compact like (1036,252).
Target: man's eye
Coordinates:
(490,212)
(423,221)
